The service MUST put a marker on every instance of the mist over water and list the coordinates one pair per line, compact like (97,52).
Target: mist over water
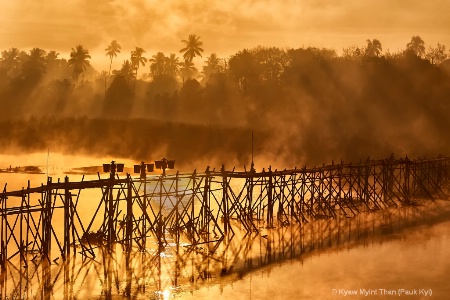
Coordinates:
(305,106)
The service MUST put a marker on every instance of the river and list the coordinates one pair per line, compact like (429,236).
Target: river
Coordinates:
(411,261)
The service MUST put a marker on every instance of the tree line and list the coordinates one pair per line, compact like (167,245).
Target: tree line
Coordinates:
(308,103)
(30,81)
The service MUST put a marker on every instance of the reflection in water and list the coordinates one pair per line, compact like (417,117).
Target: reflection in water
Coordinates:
(185,271)
(186,235)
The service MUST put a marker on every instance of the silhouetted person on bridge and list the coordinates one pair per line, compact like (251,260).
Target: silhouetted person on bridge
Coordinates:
(113,169)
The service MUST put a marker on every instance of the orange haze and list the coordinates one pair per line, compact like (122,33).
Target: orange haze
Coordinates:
(224,26)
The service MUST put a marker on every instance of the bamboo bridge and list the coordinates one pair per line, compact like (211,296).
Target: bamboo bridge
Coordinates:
(204,208)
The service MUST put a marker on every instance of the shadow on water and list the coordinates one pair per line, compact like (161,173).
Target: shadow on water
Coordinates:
(171,267)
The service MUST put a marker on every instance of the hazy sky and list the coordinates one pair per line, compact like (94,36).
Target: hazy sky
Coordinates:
(225,26)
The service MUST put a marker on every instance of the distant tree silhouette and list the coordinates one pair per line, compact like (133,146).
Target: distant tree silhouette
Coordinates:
(37,54)
(352,52)
(172,65)
(436,55)
(79,60)
(10,61)
(51,56)
(191,99)
(187,70)
(112,51)
(212,65)
(51,59)
(127,71)
(243,69)
(417,45)
(137,59)
(34,67)
(119,98)
(158,64)
(56,68)
(161,97)
(373,48)
(103,76)
(162,84)
(271,62)
(193,47)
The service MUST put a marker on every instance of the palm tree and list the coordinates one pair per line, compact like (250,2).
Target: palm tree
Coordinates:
(172,65)
(373,48)
(112,51)
(37,54)
(127,71)
(10,61)
(193,47)
(158,64)
(137,59)
(213,65)
(417,45)
(10,56)
(79,60)
(187,70)
(34,67)
(51,57)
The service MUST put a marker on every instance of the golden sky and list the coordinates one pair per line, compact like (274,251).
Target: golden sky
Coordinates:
(225,26)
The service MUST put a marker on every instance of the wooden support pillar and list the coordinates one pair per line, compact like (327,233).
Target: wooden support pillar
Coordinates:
(205,205)
(339,197)
(332,206)
(177,231)
(192,217)
(312,184)
(281,199)
(129,219)
(110,212)
(270,200)
(366,184)
(47,221)
(144,219)
(67,220)
(159,220)
(27,204)
(226,220)
(303,189)
(250,182)
(292,198)
(4,234)
(406,185)
(21,242)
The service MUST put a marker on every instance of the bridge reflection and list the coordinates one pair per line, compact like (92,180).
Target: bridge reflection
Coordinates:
(170,268)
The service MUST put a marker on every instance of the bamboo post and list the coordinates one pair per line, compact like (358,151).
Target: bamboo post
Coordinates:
(28,218)
(160,216)
(270,200)
(110,208)
(129,220)
(225,200)
(66,248)
(205,201)
(46,220)
(192,217)
(144,219)
(366,183)
(406,190)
